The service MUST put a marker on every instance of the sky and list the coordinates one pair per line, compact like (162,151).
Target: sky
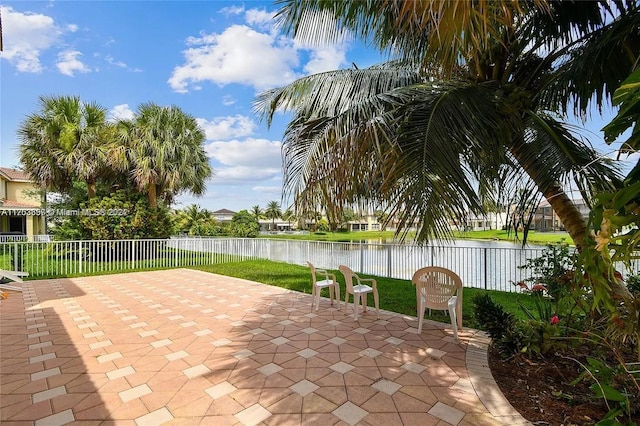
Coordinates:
(210,58)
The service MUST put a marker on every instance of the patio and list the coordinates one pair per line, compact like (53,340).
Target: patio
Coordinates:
(190,347)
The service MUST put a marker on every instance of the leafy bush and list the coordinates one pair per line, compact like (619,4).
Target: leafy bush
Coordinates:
(491,316)
(124,215)
(633,284)
(553,269)
(511,336)
(244,225)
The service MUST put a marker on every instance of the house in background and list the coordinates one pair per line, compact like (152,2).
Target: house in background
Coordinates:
(20,206)
(223,215)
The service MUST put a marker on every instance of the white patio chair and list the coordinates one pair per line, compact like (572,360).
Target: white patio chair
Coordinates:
(359,291)
(439,288)
(317,285)
(15,276)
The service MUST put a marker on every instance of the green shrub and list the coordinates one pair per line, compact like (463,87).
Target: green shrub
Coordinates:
(491,316)
(633,284)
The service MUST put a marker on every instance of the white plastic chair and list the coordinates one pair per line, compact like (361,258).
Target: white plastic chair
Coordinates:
(439,288)
(317,285)
(359,291)
(15,276)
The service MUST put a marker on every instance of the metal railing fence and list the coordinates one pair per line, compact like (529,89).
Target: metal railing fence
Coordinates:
(481,267)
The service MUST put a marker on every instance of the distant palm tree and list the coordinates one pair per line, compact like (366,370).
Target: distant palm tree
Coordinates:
(273,212)
(164,152)
(256,212)
(289,216)
(66,140)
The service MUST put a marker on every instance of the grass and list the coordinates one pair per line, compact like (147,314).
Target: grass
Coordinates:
(395,295)
(388,236)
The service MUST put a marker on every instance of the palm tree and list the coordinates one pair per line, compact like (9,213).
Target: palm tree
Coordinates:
(272,211)
(66,140)
(289,216)
(256,212)
(165,154)
(475,99)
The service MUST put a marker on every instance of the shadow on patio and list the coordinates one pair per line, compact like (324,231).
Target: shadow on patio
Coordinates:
(190,346)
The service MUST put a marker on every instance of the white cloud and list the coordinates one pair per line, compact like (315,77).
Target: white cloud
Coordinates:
(228,100)
(232,10)
(250,152)
(25,37)
(267,189)
(250,160)
(224,128)
(259,18)
(68,63)
(121,111)
(111,61)
(241,174)
(72,28)
(326,58)
(237,55)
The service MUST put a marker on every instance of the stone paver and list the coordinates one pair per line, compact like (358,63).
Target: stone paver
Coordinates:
(191,347)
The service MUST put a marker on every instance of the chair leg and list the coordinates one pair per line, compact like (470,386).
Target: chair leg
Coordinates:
(420,315)
(337,296)
(452,314)
(365,302)
(376,301)
(331,294)
(318,291)
(356,300)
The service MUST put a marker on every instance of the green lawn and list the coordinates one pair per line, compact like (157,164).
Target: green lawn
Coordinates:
(395,295)
(388,236)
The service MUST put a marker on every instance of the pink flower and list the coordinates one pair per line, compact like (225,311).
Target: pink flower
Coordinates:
(554,320)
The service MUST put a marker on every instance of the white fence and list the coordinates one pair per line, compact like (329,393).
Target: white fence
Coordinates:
(492,268)
(480,267)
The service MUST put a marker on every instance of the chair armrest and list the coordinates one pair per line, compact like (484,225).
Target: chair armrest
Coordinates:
(326,274)
(373,282)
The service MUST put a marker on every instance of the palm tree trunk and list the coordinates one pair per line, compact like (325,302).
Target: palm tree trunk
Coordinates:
(91,188)
(568,213)
(153,197)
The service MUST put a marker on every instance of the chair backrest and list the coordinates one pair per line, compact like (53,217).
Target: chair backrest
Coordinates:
(348,277)
(436,285)
(313,272)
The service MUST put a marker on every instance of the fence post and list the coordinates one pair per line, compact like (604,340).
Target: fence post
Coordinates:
(389,264)
(80,257)
(15,256)
(486,268)
(361,256)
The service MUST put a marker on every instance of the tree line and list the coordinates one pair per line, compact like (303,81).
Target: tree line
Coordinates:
(72,148)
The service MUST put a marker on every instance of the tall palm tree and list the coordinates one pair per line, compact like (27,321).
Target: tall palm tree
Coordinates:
(67,139)
(164,152)
(474,101)
(273,211)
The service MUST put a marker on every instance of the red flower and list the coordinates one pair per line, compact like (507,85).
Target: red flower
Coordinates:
(538,287)
(522,285)
(554,320)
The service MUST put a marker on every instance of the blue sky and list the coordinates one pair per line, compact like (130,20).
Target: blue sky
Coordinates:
(210,58)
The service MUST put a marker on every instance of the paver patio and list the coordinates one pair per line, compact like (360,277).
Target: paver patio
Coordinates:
(190,347)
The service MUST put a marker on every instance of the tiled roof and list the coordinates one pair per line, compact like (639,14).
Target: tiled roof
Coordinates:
(224,211)
(16,205)
(13,174)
